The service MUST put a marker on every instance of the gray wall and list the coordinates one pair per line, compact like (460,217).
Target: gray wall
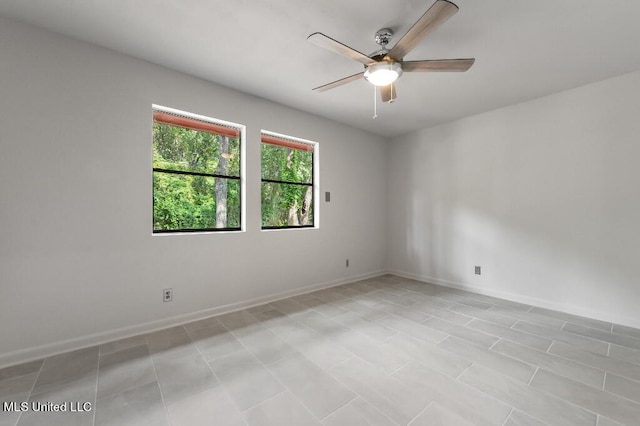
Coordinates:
(543,195)
(78,261)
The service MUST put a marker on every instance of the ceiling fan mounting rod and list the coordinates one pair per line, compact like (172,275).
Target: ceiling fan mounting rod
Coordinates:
(383,36)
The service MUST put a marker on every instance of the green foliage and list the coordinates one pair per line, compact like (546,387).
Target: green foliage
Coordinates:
(177,148)
(190,202)
(184,201)
(286,203)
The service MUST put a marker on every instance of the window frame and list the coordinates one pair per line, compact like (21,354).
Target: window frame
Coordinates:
(292,142)
(209,125)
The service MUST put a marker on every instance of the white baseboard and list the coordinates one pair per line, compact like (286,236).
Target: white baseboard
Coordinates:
(513,297)
(49,349)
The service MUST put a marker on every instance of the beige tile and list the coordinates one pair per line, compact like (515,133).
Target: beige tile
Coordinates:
(567,368)
(121,344)
(289,306)
(476,337)
(625,354)
(320,392)
(603,421)
(238,321)
(358,413)
(461,297)
(575,340)
(467,402)
(413,329)
(437,415)
(377,353)
(518,418)
(605,336)
(264,344)
(325,327)
(283,409)
(170,340)
(506,365)
(329,310)
(141,406)
(575,319)
(62,369)
(397,299)
(626,331)
(21,369)
(78,399)
(183,374)
(438,359)
(208,407)
(15,389)
(214,340)
(530,317)
(520,337)
(613,365)
(415,315)
(484,314)
(523,397)
(246,380)
(399,402)
(595,400)
(324,353)
(624,387)
(124,369)
(369,328)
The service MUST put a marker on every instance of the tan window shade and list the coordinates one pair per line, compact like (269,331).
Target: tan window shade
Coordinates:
(272,140)
(190,123)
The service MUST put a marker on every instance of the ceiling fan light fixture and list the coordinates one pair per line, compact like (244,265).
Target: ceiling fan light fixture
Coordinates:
(383,73)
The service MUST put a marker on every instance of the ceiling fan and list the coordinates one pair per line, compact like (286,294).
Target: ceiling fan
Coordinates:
(385,66)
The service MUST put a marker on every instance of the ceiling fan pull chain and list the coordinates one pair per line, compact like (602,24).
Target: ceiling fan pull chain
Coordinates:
(375,102)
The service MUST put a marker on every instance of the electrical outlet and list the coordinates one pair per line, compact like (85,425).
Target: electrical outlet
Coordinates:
(346,263)
(478,270)
(167,294)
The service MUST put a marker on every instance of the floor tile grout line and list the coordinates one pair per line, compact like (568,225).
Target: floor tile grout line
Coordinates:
(457,378)
(358,395)
(95,400)
(420,413)
(533,375)
(33,386)
(221,382)
(155,373)
(284,386)
(508,416)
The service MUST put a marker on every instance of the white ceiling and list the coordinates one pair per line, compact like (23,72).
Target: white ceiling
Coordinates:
(524,49)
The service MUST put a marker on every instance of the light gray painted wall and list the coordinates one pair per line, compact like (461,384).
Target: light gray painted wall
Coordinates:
(78,261)
(543,195)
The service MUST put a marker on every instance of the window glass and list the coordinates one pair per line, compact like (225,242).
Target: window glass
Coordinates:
(287,182)
(196,174)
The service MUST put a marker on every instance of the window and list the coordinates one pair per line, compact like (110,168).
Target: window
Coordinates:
(196,173)
(287,182)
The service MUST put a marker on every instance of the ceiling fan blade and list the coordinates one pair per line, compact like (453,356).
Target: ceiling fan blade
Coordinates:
(339,48)
(437,14)
(340,82)
(438,65)
(388,93)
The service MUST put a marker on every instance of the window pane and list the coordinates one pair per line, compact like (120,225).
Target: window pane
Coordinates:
(286,164)
(182,202)
(177,148)
(285,204)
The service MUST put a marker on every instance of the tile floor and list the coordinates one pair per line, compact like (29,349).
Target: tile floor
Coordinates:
(384,351)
